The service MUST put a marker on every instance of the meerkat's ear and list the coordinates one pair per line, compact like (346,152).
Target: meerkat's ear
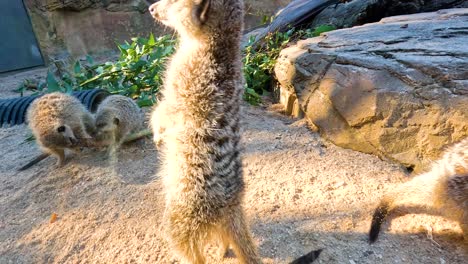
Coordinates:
(116,121)
(200,12)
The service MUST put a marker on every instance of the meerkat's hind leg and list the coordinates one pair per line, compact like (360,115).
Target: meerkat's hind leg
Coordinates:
(236,231)
(193,253)
(464,227)
(188,248)
(184,236)
(458,190)
(223,248)
(222,238)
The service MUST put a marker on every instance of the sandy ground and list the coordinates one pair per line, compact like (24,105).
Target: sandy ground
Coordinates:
(302,193)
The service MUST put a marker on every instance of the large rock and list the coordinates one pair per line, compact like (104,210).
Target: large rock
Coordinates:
(359,12)
(397,88)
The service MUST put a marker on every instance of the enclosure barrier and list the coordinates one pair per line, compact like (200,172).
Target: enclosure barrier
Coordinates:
(13,110)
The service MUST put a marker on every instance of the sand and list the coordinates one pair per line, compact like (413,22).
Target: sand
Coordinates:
(302,193)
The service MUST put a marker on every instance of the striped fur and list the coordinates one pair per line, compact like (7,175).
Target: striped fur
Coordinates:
(197,126)
(443,190)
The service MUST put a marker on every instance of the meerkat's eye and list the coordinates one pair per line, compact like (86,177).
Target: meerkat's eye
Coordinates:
(61,129)
(116,121)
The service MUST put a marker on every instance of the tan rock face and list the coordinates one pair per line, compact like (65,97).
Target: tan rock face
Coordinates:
(79,27)
(75,28)
(384,88)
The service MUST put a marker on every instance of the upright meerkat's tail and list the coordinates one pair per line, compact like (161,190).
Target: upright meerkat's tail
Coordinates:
(415,196)
(308,258)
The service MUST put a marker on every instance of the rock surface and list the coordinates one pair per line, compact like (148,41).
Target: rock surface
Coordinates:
(359,12)
(296,13)
(397,88)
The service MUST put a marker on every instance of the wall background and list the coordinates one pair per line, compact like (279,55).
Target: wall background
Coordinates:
(74,28)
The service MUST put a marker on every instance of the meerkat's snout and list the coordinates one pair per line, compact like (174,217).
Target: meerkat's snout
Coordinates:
(72,140)
(153,9)
(68,135)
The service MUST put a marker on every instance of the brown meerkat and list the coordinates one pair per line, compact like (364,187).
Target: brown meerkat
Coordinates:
(443,191)
(116,118)
(59,121)
(198,123)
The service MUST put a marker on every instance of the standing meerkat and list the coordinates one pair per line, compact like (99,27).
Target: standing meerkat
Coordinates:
(198,123)
(443,190)
(117,117)
(59,121)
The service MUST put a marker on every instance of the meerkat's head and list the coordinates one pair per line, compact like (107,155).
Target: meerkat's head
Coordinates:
(106,123)
(61,135)
(199,17)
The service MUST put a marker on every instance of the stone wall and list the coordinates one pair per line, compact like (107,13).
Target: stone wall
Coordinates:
(77,27)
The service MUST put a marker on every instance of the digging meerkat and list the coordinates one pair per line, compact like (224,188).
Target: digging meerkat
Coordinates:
(116,118)
(59,121)
(443,190)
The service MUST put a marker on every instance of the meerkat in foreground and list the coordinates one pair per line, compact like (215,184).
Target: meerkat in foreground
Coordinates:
(59,121)
(198,124)
(443,190)
(117,117)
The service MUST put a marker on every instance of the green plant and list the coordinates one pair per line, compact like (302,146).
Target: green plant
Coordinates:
(137,73)
(322,29)
(259,63)
(259,60)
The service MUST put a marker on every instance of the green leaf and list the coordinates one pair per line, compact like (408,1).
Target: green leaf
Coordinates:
(90,80)
(77,67)
(144,102)
(89,59)
(322,29)
(68,87)
(151,40)
(124,46)
(29,138)
(52,84)
(100,70)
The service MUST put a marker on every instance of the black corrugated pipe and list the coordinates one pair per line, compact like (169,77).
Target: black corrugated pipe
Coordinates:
(13,110)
